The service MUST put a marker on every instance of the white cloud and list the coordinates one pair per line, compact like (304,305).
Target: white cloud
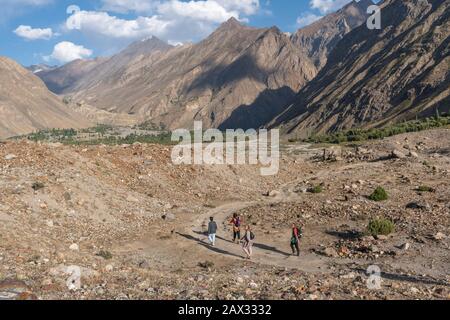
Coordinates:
(67,51)
(206,11)
(30,33)
(327,6)
(179,21)
(102,23)
(125,6)
(306,19)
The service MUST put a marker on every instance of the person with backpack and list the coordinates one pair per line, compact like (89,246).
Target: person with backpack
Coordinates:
(212,230)
(247,242)
(236,224)
(295,239)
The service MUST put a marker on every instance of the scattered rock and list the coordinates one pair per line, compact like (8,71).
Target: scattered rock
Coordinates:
(396,154)
(330,252)
(439,236)
(74,247)
(10,157)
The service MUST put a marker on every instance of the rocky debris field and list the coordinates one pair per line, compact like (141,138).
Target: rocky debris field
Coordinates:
(120,217)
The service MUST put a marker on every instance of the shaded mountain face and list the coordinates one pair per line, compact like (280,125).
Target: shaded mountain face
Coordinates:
(60,80)
(374,77)
(26,105)
(319,39)
(237,77)
(36,68)
(82,73)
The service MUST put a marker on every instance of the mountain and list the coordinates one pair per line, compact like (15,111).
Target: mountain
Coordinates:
(375,77)
(26,105)
(80,73)
(237,77)
(59,80)
(36,68)
(319,38)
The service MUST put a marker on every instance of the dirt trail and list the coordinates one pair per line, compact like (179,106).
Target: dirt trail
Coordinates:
(265,251)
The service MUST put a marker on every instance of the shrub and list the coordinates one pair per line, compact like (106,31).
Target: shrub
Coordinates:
(381,226)
(379,195)
(105,255)
(425,189)
(316,189)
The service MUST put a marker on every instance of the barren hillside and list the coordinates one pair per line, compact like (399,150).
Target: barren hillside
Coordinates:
(26,104)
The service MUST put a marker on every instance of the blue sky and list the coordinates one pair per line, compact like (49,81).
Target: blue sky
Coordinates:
(41,31)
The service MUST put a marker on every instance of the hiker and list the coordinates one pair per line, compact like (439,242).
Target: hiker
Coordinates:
(295,239)
(247,242)
(212,230)
(236,222)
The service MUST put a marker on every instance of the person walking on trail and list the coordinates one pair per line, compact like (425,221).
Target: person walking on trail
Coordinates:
(236,223)
(247,242)
(295,239)
(212,230)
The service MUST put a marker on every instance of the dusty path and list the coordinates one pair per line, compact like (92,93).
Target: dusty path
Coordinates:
(265,251)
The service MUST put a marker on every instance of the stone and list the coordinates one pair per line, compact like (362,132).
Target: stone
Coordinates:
(413,154)
(109,268)
(130,198)
(419,206)
(10,157)
(330,252)
(439,236)
(74,247)
(144,264)
(396,154)
(406,246)
(381,237)
(169,216)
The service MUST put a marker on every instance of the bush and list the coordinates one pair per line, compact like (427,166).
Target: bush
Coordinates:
(357,135)
(425,189)
(316,189)
(379,195)
(381,226)
(105,255)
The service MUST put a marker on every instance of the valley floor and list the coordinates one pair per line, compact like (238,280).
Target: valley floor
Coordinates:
(134,223)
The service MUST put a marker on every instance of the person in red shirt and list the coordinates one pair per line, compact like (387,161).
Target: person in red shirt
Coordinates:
(295,240)
(236,223)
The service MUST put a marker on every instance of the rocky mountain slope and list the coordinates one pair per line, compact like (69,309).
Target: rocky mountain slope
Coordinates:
(60,80)
(237,77)
(374,77)
(36,68)
(80,74)
(320,38)
(26,104)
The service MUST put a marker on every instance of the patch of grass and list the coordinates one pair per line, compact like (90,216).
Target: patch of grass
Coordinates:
(105,254)
(316,189)
(37,186)
(379,195)
(425,189)
(381,226)
(358,135)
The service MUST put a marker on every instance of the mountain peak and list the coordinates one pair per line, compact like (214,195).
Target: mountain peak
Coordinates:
(231,23)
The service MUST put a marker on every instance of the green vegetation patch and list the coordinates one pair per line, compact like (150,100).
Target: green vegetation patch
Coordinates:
(379,195)
(381,226)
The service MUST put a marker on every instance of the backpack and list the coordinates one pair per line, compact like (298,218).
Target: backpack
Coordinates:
(237,222)
(252,236)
